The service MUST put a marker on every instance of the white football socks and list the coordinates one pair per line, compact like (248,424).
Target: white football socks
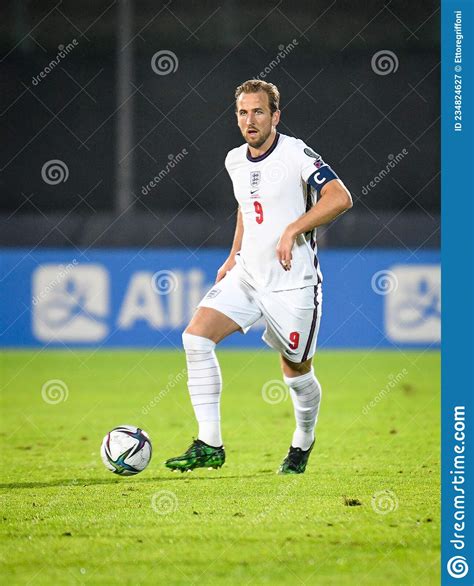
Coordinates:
(305,392)
(205,386)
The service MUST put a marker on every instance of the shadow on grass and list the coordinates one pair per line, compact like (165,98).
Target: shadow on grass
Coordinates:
(113,481)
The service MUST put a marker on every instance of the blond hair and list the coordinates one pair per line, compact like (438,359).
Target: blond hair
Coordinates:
(252,86)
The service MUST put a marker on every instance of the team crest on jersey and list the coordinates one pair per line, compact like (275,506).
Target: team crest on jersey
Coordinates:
(255,177)
(319,161)
(213,293)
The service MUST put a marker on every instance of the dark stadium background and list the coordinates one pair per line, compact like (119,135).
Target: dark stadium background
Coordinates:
(104,100)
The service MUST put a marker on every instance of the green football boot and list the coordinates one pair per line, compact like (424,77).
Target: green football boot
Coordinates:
(198,455)
(296,460)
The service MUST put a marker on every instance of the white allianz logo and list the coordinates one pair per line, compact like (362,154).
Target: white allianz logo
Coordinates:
(413,304)
(77,308)
(71,309)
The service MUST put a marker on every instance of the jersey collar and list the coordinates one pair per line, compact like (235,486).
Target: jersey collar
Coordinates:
(266,153)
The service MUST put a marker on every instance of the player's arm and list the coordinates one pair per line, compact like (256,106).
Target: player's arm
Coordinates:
(334,199)
(236,246)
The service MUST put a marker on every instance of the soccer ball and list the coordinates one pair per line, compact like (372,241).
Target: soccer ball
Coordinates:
(126,450)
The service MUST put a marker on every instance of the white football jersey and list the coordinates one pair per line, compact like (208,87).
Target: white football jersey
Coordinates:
(272,192)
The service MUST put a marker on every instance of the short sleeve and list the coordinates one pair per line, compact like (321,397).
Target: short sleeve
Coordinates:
(231,160)
(227,162)
(314,170)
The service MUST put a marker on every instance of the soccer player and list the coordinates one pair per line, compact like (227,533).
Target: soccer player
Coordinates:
(284,192)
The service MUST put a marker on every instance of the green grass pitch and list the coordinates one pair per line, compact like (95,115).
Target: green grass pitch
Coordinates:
(365,512)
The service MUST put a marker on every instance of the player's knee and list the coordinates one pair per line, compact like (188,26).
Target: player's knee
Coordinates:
(294,369)
(192,342)
(201,326)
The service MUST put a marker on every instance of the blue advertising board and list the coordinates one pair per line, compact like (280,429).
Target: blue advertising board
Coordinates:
(133,298)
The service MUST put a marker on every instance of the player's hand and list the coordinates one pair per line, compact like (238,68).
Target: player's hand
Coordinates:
(284,248)
(225,268)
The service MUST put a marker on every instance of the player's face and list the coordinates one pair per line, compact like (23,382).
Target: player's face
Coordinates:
(255,119)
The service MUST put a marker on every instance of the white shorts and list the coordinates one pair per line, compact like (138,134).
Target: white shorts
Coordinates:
(292,317)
